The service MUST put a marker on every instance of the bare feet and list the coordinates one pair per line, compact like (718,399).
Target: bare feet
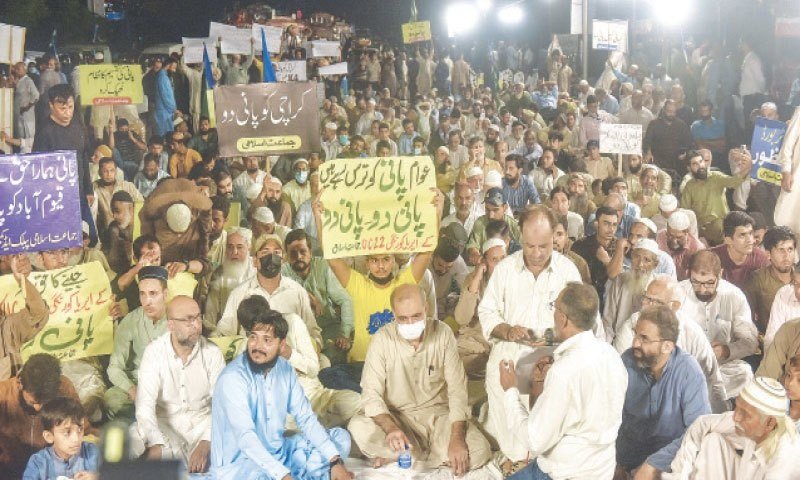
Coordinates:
(378,462)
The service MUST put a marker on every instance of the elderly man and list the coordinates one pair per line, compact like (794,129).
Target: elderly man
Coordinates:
(271,196)
(146,180)
(762,286)
(496,208)
(666,394)
(105,188)
(576,410)
(739,256)
(516,310)
(467,209)
(415,393)
(177,375)
(722,310)
(757,440)
(679,243)
(263,223)
(330,143)
(667,205)
(236,268)
(298,190)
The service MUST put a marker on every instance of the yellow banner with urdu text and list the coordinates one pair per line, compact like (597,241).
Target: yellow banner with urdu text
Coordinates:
(416,32)
(109,84)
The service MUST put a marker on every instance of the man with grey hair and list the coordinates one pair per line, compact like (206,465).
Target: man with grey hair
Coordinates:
(235,269)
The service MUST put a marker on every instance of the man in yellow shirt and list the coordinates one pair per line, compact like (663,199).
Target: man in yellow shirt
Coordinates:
(183,158)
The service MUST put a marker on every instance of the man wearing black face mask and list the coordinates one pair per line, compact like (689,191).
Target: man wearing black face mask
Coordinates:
(284,294)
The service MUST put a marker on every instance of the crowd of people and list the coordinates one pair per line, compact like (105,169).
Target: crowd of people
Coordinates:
(581,316)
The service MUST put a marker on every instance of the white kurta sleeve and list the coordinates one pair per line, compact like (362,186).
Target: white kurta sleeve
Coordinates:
(147,392)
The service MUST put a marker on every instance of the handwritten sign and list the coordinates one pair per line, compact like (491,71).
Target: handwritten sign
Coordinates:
(294,71)
(267,118)
(621,138)
(416,32)
(325,48)
(79,298)
(767,141)
(39,206)
(12,43)
(234,40)
(272,34)
(610,35)
(108,84)
(230,346)
(335,69)
(378,205)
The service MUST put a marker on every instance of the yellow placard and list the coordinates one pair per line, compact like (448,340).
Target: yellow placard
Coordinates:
(109,84)
(416,32)
(182,283)
(230,346)
(79,298)
(769,176)
(234,216)
(378,205)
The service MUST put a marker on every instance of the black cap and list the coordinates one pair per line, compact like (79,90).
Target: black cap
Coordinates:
(153,271)
(494,196)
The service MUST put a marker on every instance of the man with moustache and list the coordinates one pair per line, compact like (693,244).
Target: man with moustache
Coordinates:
(205,138)
(679,243)
(117,241)
(252,398)
(665,138)
(235,269)
(105,187)
(148,177)
(562,244)
(224,184)
(666,394)
(272,198)
(253,175)
(518,188)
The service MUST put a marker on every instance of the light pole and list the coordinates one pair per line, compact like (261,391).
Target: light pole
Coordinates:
(585,33)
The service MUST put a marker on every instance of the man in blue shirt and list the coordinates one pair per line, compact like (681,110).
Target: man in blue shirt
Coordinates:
(517,187)
(708,131)
(406,141)
(252,398)
(666,393)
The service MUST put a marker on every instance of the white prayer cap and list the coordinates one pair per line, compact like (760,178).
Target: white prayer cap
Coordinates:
(275,180)
(650,166)
(299,161)
(583,83)
(648,223)
(177,121)
(179,216)
(493,179)
(647,244)
(474,171)
(371,101)
(263,215)
(331,126)
(491,243)
(99,56)
(767,395)
(668,203)
(252,191)
(246,234)
(678,221)
(494,127)
(443,149)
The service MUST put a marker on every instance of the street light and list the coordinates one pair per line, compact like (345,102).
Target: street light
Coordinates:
(484,5)
(510,14)
(461,18)
(672,13)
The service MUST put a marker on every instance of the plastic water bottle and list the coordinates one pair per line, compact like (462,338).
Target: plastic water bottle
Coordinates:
(404,460)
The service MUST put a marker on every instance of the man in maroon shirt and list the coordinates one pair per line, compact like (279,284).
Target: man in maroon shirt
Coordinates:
(739,255)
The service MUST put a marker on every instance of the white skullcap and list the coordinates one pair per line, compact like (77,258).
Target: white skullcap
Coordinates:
(473,171)
(299,161)
(491,243)
(767,395)
(371,101)
(668,203)
(246,234)
(99,56)
(179,216)
(647,244)
(331,126)
(769,106)
(443,149)
(494,127)
(275,180)
(263,215)
(493,179)
(253,191)
(583,83)
(648,223)
(650,166)
(678,221)
(177,121)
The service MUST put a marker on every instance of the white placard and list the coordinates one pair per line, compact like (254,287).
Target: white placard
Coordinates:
(610,35)
(193,49)
(217,30)
(12,44)
(238,40)
(294,71)
(621,138)
(322,48)
(273,35)
(576,17)
(335,69)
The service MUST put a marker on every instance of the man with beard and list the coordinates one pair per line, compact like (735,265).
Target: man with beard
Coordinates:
(641,228)
(21,400)
(252,175)
(476,158)
(679,243)
(224,183)
(263,223)
(647,196)
(448,270)
(139,327)
(271,197)
(105,188)
(624,293)
(164,104)
(709,132)
(235,268)
(467,210)
(253,396)
(117,240)
(496,207)
(518,188)
(298,190)
(330,302)
(217,236)
(665,138)
(666,393)
(722,311)
(704,194)
(147,179)
(762,286)
(205,138)
(128,144)
(667,205)
(739,255)
(183,158)
(177,375)
(546,173)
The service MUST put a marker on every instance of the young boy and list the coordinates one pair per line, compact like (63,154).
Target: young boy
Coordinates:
(791,382)
(68,455)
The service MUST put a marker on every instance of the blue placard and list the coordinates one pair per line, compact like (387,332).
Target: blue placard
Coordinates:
(767,141)
(39,202)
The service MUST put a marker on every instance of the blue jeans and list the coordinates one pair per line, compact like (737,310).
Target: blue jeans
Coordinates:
(531,472)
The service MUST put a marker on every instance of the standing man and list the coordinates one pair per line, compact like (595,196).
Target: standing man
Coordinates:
(665,138)
(25,97)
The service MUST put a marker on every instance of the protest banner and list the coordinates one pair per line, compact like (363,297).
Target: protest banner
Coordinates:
(234,40)
(230,346)
(335,69)
(6,116)
(12,43)
(267,118)
(41,209)
(416,32)
(294,71)
(109,84)
(621,138)
(767,141)
(218,30)
(79,298)
(324,48)
(273,35)
(378,205)
(610,35)
(193,49)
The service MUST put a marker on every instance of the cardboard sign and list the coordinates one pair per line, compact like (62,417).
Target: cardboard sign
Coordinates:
(273,35)
(108,84)
(416,32)
(322,48)
(335,69)
(610,35)
(234,40)
(294,71)
(378,205)
(267,118)
(621,138)
(41,207)
(767,141)
(12,43)
(193,49)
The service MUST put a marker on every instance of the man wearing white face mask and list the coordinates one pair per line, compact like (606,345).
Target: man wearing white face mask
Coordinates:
(299,189)
(414,393)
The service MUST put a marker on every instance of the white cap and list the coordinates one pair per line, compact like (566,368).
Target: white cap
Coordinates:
(473,171)
(647,244)
(298,161)
(494,127)
(491,243)
(767,395)
(371,101)
(177,121)
(263,215)
(179,216)
(246,234)
(253,191)
(583,83)
(493,179)
(99,56)
(648,223)
(331,126)
(275,180)
(678,221)
(668,203)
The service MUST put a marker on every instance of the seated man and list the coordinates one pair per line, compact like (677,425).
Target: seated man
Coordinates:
(785,345)
(236,269)
(757,440)
(496,206)
(785,306)
(679,243)
(415,393)
(762,286)
(131,337)
(739,255)
(253,396)
(449,271)
(666,393)
(176,380)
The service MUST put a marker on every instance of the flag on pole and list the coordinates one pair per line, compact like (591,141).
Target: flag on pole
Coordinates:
(207,91)
(269,73)
(53,44)
(209,75)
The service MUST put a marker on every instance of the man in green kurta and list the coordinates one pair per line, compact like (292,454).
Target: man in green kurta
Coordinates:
(134,333)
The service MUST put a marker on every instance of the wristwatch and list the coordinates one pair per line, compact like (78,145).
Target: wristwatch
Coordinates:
(337,461)
(186,262)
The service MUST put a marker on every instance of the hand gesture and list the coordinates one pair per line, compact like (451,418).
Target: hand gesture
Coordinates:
(17,270)
(517,333)
(508,374)
(396,440)
(541,368)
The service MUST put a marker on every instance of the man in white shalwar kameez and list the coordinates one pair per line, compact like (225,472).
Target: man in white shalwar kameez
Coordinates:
(789,159)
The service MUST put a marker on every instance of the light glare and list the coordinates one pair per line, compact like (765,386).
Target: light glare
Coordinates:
(671,13)
(461,18)
(510,14)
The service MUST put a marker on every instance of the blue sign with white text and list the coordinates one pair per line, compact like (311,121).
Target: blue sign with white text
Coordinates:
(767,141)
